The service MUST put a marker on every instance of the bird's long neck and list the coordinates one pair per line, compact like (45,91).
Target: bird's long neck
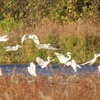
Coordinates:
(48,59)
(69,56)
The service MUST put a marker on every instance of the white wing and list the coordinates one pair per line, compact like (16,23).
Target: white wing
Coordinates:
(98,55)
(33,66)
(89,62)
(93,60)
(85,63)
(40,61)
(40,46)
(25,36)
(32,69)
(68,63)
(4,36)
(78,66)
(53,48)
(7,47)
(61,58)
(73,65)
(35,39)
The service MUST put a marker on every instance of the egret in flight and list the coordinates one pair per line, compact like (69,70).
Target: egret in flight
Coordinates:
(73,64)
(91,62)
(62,59)
(33,37)
(32,69)
(3,38)
(46,46)
(12,48)
(43,63)
(37,42)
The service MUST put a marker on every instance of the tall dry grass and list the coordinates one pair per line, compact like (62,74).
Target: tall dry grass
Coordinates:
(58,87)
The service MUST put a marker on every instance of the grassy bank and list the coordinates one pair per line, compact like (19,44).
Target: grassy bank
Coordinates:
(58,87)
(72,25)
(81,39)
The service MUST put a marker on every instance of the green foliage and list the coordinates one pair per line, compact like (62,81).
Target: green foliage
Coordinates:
(82,49)
(32,11)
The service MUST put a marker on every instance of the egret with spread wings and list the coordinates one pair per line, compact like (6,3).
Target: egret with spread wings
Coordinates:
(73,64)
(62,59)
(91,62)
(12,48)
(43,63)
(32,69)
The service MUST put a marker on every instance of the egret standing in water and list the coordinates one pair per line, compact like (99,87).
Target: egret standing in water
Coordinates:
(12,48)
(91,62)
(32,69)
(3,38)
(43,63)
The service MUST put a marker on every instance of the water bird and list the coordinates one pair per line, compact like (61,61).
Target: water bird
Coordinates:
(37,42)
(12,48)
(3,38)
(91,62)
(46,46)
(62,59)
(33,37)
(73,64)
(43,63)
(32,69)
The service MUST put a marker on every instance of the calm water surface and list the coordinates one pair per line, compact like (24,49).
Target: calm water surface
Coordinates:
(20,69)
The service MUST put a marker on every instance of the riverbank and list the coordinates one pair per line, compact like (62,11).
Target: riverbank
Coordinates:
(82,39)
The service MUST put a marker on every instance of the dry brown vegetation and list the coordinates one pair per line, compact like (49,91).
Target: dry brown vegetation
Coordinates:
(58,87)
(48,27)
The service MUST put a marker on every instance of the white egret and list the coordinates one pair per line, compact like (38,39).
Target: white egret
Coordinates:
(37,42)
(73,64)
(33,37)
(32,69)
(46,46)
(3,38)
(12,48)
(62,59)
(91,62)
(43,63)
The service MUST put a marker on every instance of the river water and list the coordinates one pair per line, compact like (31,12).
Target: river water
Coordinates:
(20,69)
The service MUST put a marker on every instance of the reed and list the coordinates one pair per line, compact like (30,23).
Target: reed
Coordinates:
(59,87)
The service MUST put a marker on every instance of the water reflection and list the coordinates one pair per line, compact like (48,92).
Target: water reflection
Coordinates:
(21,68)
